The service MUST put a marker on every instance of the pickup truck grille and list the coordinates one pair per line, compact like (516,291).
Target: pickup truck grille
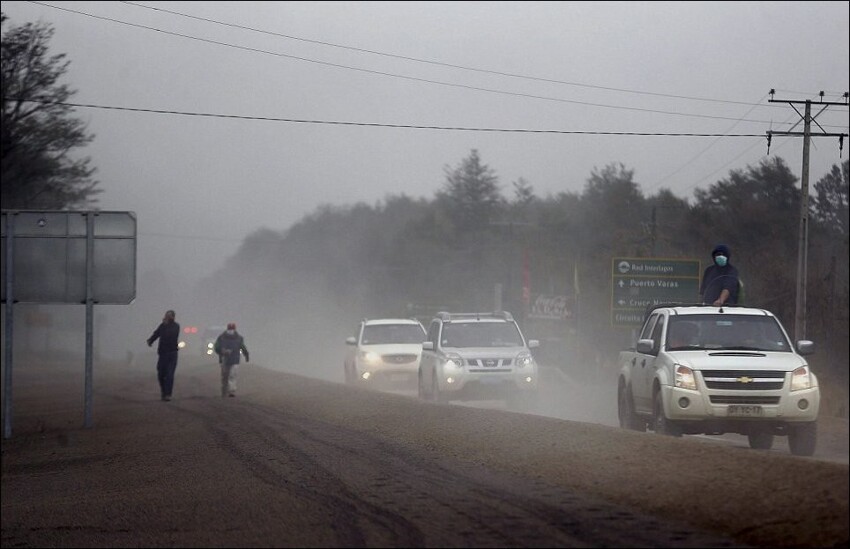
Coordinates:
(744,380)
(745,399)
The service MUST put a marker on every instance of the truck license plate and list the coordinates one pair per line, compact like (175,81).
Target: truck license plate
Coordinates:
(740,410)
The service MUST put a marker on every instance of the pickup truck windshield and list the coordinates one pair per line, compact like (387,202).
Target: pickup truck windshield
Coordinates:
(727,332)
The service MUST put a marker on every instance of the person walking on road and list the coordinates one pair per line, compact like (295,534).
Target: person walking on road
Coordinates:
(228,346)
(168,332)
(720,282)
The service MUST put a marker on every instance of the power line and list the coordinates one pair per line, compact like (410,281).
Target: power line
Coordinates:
(436,63)
(377,125)
(393,75)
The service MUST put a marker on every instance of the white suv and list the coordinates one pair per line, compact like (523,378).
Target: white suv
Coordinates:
(478,356)
(385,353)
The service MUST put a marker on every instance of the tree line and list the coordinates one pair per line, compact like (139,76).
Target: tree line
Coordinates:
(403,256)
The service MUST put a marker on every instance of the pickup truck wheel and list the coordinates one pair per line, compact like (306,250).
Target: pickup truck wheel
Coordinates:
(661,424)
(626,412)
(760,441)
(802,438)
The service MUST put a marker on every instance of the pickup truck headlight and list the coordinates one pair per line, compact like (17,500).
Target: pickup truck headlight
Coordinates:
(801,378)
(524,359)
(685,378)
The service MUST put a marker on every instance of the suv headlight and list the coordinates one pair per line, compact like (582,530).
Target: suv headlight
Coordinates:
(524,359)
(453,363)
(685,378)
(370,357)
(801,378)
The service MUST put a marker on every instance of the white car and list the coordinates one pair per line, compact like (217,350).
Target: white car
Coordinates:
(385,353)
(714,370)
(478,356)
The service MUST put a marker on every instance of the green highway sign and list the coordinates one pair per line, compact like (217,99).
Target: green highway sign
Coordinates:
(638,282)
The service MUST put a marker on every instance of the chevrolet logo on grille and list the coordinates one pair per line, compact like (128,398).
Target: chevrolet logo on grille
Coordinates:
(745,379)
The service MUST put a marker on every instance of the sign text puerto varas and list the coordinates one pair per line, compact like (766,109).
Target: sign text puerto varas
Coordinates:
(638,282)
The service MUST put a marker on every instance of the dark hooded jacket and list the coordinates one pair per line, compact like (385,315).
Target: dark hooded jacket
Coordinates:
(228,347)
(715,279)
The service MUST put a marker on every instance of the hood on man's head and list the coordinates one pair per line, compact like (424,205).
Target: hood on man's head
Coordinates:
(721,249)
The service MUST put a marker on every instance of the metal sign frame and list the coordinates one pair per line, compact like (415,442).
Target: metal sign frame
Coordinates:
(72,257)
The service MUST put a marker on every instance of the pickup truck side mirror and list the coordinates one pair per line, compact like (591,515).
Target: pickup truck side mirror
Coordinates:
(427,345)
(350,341)
(644,346)
(532,343)
(806,347)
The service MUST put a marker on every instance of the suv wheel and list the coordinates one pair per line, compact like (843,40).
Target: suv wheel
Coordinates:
(436,395)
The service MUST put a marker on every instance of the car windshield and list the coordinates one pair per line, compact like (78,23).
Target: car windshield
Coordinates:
(481,334)
(728,331)
(383,334)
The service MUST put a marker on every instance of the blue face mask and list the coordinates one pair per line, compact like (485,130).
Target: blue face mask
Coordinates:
(720,260)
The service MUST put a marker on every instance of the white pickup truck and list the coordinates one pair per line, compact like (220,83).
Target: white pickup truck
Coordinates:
(713,370)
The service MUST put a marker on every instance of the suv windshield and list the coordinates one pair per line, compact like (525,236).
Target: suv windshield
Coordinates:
(480,334)
(741,332)
(382,334)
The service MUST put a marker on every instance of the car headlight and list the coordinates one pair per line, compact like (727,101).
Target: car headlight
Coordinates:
(685,378)
(370,357)
(524,359)
(181,344)
(801,378)
(453,363)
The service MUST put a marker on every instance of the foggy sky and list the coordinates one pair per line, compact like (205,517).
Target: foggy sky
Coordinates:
(199,185)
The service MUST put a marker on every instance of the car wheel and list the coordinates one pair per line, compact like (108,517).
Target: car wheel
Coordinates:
(420,387)
(760,441)
(802,438)
(661,424)
(626,411)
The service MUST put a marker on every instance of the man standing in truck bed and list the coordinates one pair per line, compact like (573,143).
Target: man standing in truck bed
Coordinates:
(720,280)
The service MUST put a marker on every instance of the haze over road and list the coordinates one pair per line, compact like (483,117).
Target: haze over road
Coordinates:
(294,461)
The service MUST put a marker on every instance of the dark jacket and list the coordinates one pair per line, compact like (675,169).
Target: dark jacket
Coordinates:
(715,279)
(168,333)
(228,346)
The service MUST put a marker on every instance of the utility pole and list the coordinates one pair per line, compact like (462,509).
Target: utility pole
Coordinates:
(802,248)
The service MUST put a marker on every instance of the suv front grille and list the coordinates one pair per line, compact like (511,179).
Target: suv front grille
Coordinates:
(489,362)
(744,380)
(399,359)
